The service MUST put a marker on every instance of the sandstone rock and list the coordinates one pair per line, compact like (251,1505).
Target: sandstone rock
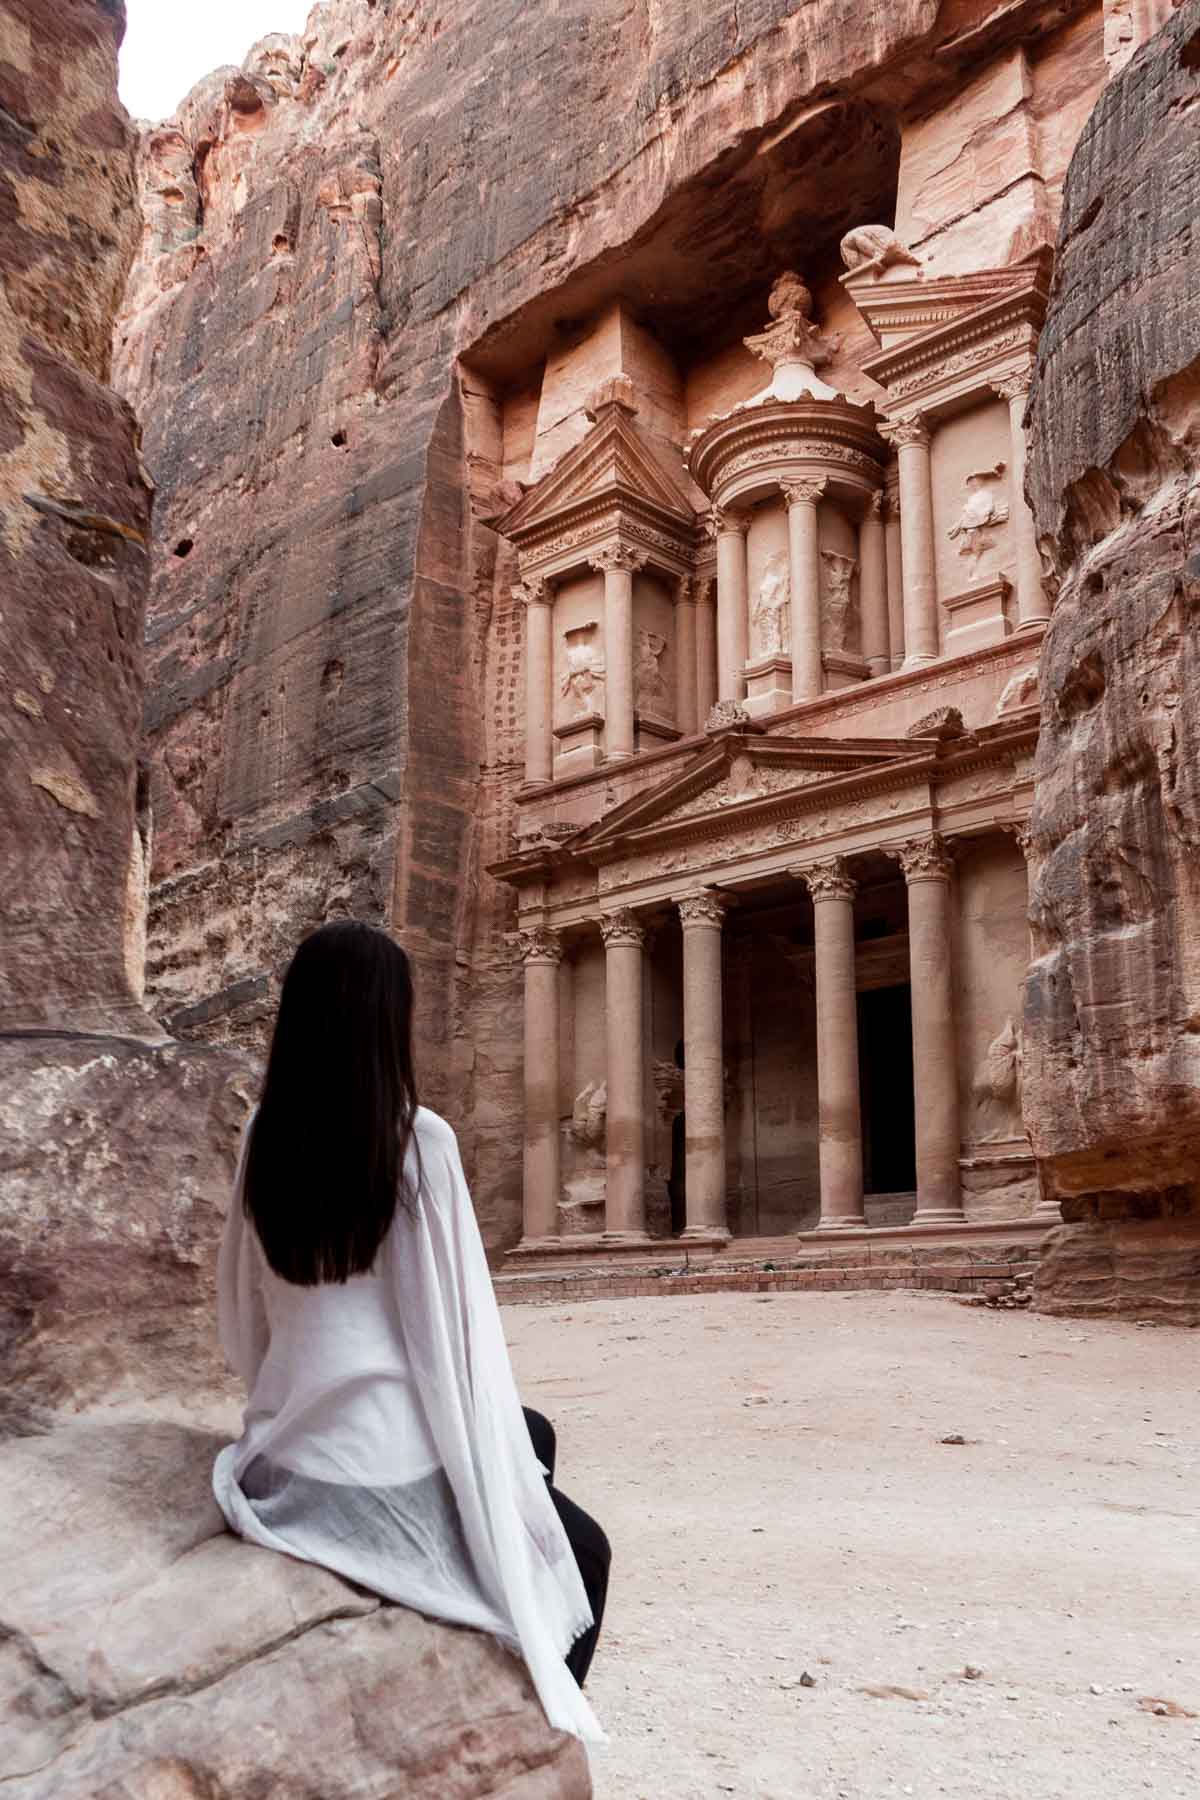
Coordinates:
(162,1659)
(1112,1044)
(74,520)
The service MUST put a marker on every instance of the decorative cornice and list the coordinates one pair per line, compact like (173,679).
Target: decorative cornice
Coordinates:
(705,909)
(540,944)
(617,556)
(621,927)
(926,859)
(829,880)
(803,493)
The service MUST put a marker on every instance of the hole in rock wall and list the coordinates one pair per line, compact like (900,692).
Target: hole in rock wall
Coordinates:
(1189,56)
(184,547)
(338,440)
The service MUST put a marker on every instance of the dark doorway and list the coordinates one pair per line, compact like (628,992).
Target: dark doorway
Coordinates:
(885,1068)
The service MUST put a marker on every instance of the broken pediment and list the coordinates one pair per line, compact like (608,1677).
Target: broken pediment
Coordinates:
(616,460)
(908,304)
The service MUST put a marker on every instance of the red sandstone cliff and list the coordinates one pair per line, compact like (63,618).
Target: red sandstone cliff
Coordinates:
(1112,1012)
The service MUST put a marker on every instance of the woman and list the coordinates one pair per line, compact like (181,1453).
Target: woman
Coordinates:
(383,1437)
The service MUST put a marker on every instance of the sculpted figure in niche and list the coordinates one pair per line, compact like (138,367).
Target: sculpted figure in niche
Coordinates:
(1021,691)
(588,1116)
(870,249)
(984,508)
(771,613)
(997,1088)
(582,682)
(744,782)
(837,601)
(648,683)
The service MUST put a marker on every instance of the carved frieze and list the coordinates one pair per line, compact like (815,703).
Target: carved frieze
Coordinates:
(783,450)
(959,362)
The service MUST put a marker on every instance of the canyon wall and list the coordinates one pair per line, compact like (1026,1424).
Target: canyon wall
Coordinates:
(1112,1009)
(351,243)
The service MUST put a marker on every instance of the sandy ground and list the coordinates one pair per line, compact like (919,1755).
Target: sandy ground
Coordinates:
(771,1473)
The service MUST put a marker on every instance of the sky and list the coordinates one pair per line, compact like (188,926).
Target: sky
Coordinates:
(170,44)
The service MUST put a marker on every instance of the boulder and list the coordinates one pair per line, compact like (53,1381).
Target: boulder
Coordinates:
(1112,1006)
(145,1654)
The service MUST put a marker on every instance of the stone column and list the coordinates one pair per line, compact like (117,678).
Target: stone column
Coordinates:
(1032,605)
(840,1119)
(872,584)
(927,870)
(541,950)
(733,620)
(911,439)
(895,569)
(537,597)
(804,567)
(625,1133)
(685,656)
(703,1064)
(706,650)
(617,566)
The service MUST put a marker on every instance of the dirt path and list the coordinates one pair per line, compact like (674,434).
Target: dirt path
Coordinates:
(772,1476)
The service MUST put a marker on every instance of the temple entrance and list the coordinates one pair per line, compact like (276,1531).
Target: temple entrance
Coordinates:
(886,1085)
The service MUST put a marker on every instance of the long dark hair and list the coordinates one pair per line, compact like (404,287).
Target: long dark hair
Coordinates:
(326,1160)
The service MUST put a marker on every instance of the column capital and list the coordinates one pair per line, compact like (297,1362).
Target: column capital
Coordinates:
(1015,386)
(876,505)
(705,908)
(684,590)
(829,880)
(926,858)
(803,493)
(721,519)
(704,588)
(1020,830)
(539,944)
(617,556)
(900,433)
(622,926)
(533,590)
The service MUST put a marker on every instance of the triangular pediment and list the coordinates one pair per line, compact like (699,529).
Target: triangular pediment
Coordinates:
(740,769)
(614,459)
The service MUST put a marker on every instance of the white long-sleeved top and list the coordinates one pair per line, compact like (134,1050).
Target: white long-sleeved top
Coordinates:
(384,1439)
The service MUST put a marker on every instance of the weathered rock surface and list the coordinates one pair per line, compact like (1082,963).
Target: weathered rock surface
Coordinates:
(1112,1011)
(146,1654)
(74,523)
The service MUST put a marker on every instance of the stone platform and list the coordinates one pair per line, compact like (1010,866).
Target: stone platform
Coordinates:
(984,1258)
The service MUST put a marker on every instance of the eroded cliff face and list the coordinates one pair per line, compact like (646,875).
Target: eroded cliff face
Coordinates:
(336,710)
(1112,1011)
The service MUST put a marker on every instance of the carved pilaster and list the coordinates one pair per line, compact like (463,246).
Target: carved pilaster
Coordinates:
(926,859)
(621,926)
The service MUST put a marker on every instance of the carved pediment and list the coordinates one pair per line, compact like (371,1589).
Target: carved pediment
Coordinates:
(904,308)
(740,770)
(615,459)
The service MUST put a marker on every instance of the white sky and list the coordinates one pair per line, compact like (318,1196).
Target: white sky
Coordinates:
(170,44)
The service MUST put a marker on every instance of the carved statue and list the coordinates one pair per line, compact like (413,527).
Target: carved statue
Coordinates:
(983,509)
(771,613)
(648,683)
(837,599)
(589,1116)
(585,670)
(870,249)
(745,782)
(997,1088)
(1020,692)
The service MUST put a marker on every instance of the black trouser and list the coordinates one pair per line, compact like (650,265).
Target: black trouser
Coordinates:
(592,1550)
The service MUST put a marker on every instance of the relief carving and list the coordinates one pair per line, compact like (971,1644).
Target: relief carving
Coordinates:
(837,599)
(996,1089)
(984,508)
(770,617)
(726,715)
(589,1116)
(648,683)
(1020,691)
(582,683)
